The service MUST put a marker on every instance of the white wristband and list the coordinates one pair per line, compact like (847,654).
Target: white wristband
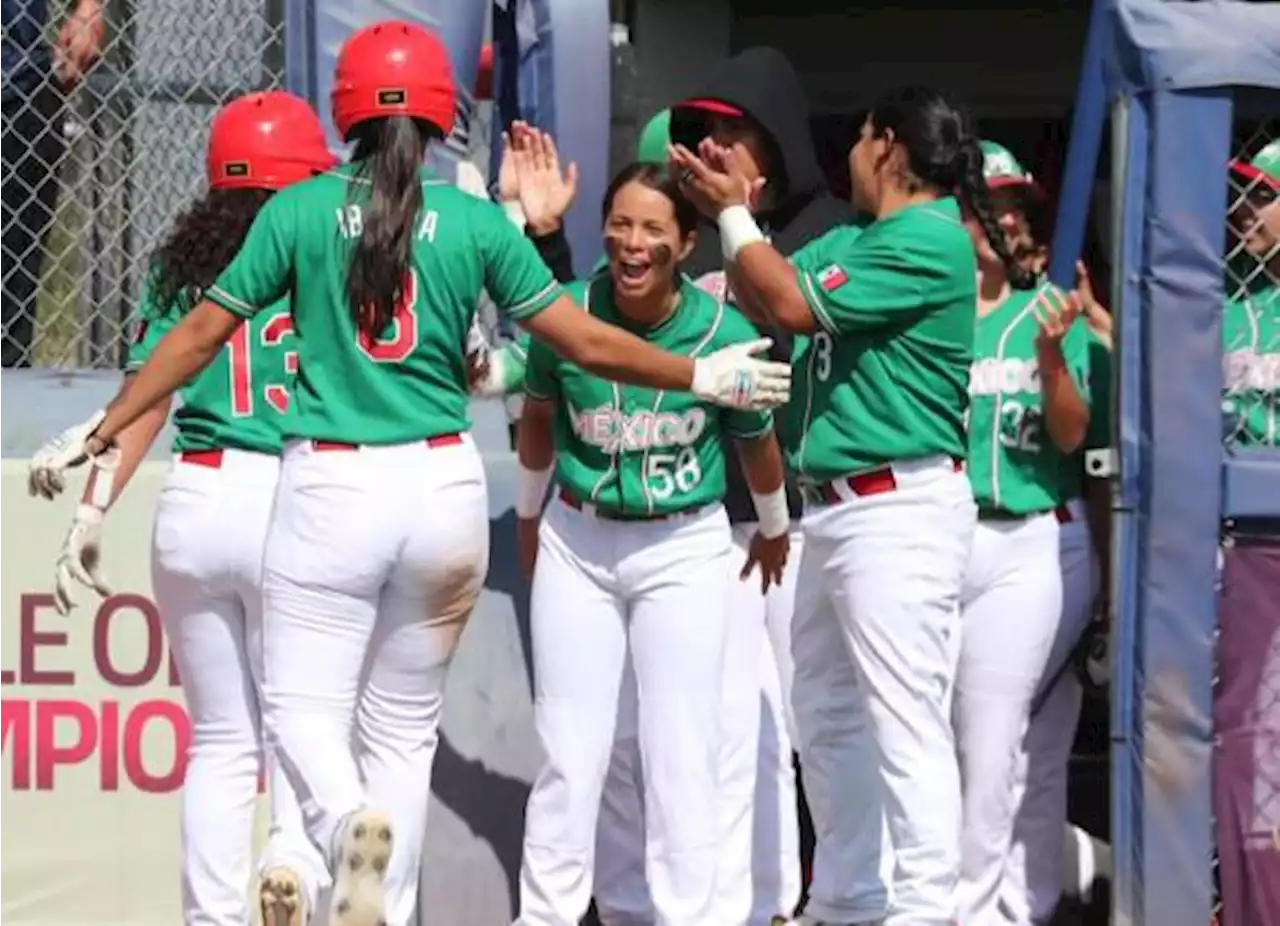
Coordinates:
(772,513)
(515,215)
(531,489)
(737,230)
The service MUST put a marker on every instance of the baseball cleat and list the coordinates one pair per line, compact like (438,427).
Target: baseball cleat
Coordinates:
(364,849)
(280,898)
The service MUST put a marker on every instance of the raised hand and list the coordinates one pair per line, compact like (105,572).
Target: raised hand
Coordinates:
(545,190)
(711,178)
(1055,312)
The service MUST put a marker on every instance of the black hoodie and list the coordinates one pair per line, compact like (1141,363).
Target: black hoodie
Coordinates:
(762,84)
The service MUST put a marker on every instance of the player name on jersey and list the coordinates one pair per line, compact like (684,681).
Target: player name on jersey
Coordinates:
(614,431)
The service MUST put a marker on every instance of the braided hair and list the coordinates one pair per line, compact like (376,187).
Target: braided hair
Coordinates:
(944,155)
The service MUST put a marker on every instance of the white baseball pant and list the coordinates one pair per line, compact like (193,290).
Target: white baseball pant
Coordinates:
(1032,884)
(660,588)
(759,869)
(374,561)
(877,611)
(206,572)
(1012,617)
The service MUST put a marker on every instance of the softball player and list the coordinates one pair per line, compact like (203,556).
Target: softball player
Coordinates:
(1251,326)
(379,537)
(211,522)
(878,438)
(1030,579)
(633,554)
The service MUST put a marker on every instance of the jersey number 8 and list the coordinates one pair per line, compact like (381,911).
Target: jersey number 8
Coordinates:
(404,327)
(668,473)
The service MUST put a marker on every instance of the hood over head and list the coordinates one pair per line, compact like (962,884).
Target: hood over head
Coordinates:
(761,84)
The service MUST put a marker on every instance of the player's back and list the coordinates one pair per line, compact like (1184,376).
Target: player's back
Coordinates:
(410,382)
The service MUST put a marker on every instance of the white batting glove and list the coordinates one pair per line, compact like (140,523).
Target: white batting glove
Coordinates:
(46,476)
(81,558)
(492,379)
(734,377)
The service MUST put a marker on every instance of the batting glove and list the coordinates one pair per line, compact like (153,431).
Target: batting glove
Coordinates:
(46,476)
(81,558)
(734,377)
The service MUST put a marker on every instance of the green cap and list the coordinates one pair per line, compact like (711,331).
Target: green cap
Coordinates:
(1000,168)
(1263,169)
(654,139)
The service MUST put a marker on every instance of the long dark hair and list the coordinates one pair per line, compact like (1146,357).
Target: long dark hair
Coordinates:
(943,153)
(388,153)
(202,242)
(658,178)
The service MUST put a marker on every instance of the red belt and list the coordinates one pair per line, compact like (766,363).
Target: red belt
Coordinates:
(439,440)
(209,458)
(874,482)
(606,514)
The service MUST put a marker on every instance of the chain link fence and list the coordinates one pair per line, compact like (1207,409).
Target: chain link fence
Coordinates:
(96,168)
(1251,319)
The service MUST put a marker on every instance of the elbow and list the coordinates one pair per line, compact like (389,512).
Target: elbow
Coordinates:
(796,317)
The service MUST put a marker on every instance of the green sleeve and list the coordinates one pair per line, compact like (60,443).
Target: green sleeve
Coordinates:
(260,275)
(515,277)
(1099,434)
(740,424)
(857,282)
(540,380)
(154,322)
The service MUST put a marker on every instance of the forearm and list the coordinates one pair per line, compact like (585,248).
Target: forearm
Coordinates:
(775,287)
(1065,412)
(761,464)
(180,355)
(133,443)
(743,295)
(607,351)
(535,454)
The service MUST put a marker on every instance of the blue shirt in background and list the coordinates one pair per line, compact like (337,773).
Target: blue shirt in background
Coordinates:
(26,55)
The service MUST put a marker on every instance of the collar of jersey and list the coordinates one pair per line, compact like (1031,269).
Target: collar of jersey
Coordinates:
(604,287)
(348,172)
(945,208)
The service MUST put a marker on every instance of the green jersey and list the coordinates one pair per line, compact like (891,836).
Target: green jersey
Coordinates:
(410,382)
(635,450)
(1251,367)
(883,377)
(239,401)
(1014,466)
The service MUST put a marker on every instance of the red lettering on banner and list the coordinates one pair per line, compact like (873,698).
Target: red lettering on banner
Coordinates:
(29,639)
(133,727)
(102,640)
(69,733)
(109,752)
(49,753)
(15,718)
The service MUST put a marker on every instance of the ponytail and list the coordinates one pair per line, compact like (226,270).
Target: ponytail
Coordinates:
(389,151)
(972,189)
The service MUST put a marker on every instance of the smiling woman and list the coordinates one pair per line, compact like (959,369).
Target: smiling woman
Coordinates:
(637,541)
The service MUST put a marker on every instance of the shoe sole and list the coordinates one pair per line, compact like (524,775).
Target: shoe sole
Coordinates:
(280,898)
(363,854)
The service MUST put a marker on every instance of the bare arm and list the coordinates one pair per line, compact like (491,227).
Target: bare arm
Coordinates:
(133,443)
(535,446)
(180,355)
(606,351)
(771,283)
(1065,413)
(761,463)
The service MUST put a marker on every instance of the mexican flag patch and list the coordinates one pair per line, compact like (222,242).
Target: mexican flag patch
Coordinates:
(832,277)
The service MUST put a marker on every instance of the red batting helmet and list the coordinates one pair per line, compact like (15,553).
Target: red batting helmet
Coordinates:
(393,68)
(265,141)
